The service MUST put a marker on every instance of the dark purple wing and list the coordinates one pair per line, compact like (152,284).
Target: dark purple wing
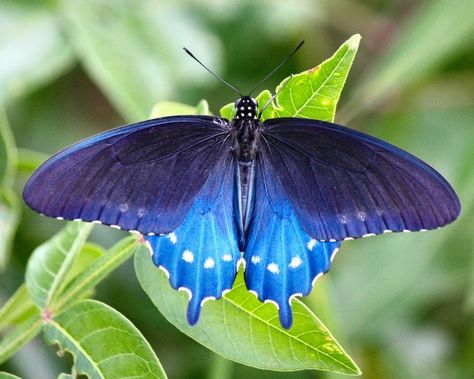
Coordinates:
(346,184)
(142,176)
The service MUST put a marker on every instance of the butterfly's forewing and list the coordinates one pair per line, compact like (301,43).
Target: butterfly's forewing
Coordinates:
(346,184)
(142,177)
(282,260)
(201,255)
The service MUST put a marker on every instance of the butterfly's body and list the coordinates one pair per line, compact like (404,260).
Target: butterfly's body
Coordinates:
(245,131)
(203,190)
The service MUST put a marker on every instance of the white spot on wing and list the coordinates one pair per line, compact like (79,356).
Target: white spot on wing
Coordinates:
(255,259)
(295,262)
(227,257)
(188,256)
(209,263)
(115,227)
(273,268)
(311,244)
(173,238)
(59,218)
(361,215)
(123,207)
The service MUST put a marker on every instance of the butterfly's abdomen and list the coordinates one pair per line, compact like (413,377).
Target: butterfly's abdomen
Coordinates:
(245,178)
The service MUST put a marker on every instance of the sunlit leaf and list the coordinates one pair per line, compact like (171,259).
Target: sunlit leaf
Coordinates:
(241,328)
(315,93)
(50,263)
(18,337)
(134,53)
(104,344)
(33,49)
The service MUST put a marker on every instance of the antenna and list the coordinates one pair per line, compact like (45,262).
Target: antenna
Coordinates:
(212,73)
(277,67)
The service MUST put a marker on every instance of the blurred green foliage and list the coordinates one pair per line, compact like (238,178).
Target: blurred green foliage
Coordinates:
(402,305)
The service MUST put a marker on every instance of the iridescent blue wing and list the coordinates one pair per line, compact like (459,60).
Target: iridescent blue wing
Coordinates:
(200,256)
(282,260)
(346,184)
(142,177)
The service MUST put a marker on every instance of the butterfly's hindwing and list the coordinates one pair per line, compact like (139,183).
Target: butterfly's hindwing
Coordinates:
(282,260)
(201,255)
(344,184)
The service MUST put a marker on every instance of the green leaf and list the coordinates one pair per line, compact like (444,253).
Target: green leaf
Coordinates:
(315,93)
(9,205)
(88,254)
(96,271)
(18,308)
(434,34)
(33,49)
(8,154)
(50,263)
(9,218)
(264,343)
(6,375)
(262,100)
(20,336)
(171,108)
(227,111)
(137,62)
(104,344)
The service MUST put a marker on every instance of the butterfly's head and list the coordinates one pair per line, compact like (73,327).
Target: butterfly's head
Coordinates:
(246,108)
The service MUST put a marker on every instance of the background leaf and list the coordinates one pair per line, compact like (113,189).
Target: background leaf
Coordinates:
(430,37)
(264,344)
(18,308)
(5,375)
(18,337)
(171,108)
(101,340)
(9,206)
(49,264)
(124,46)
(89,276)
(33,49)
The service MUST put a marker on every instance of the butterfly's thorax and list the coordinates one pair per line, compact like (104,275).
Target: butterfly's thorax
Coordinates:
(246,127)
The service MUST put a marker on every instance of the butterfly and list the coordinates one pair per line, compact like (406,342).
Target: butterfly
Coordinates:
(210,194)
